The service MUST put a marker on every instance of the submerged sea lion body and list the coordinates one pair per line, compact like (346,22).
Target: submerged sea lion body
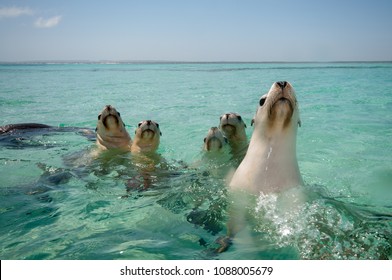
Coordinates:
(24,135)
(10,128)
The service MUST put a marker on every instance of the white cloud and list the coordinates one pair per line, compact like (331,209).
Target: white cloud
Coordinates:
(11,12)
(47,23)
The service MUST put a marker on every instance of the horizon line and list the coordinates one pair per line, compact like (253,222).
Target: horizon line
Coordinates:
(87,61)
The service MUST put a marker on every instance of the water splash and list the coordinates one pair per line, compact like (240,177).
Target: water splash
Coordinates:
(322,229)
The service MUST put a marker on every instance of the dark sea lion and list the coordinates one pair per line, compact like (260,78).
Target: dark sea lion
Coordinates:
(23,135)
(10,128)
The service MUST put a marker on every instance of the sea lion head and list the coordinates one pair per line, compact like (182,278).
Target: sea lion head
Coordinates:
(233,126)
(111,132)
(278,109)
(214,141)
(147,136)
(109,120)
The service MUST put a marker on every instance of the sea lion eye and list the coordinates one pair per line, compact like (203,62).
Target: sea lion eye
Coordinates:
(157,125)
(239,118)
(99,116)
(205,139)
(262,101)
(118,113)
(139,124)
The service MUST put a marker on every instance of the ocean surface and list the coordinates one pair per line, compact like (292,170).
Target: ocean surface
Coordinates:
(57,203)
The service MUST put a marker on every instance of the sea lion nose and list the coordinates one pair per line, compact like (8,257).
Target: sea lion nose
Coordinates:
(227,116)
(148,122)
(282,84)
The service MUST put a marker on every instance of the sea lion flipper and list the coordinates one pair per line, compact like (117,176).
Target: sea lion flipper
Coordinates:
(225,242)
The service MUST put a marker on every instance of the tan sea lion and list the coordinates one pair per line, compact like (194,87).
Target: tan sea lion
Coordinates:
(216,157)
(111,132)
(144,156)
(233,127)
(270,164)
(214,141)
(147,137)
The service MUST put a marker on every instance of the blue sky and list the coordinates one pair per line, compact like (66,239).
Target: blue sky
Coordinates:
(196,30)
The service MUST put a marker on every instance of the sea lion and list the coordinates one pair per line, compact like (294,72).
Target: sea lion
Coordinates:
(111,132)
(22,135)
(216,157)
(233,127)
(10,128)
(214,141)
(147,137)
(144,157)
(270,164)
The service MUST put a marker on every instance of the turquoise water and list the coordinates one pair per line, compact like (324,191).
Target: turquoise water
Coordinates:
(54,208)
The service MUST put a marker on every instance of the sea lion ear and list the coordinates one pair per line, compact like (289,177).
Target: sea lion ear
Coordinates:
(96,129)
(299,123)
(245,125)
(160,132)
(205,138)
(252,122)
(99,116)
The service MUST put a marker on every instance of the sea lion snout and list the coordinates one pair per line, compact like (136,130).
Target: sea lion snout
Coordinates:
(111,110)
(282,84)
